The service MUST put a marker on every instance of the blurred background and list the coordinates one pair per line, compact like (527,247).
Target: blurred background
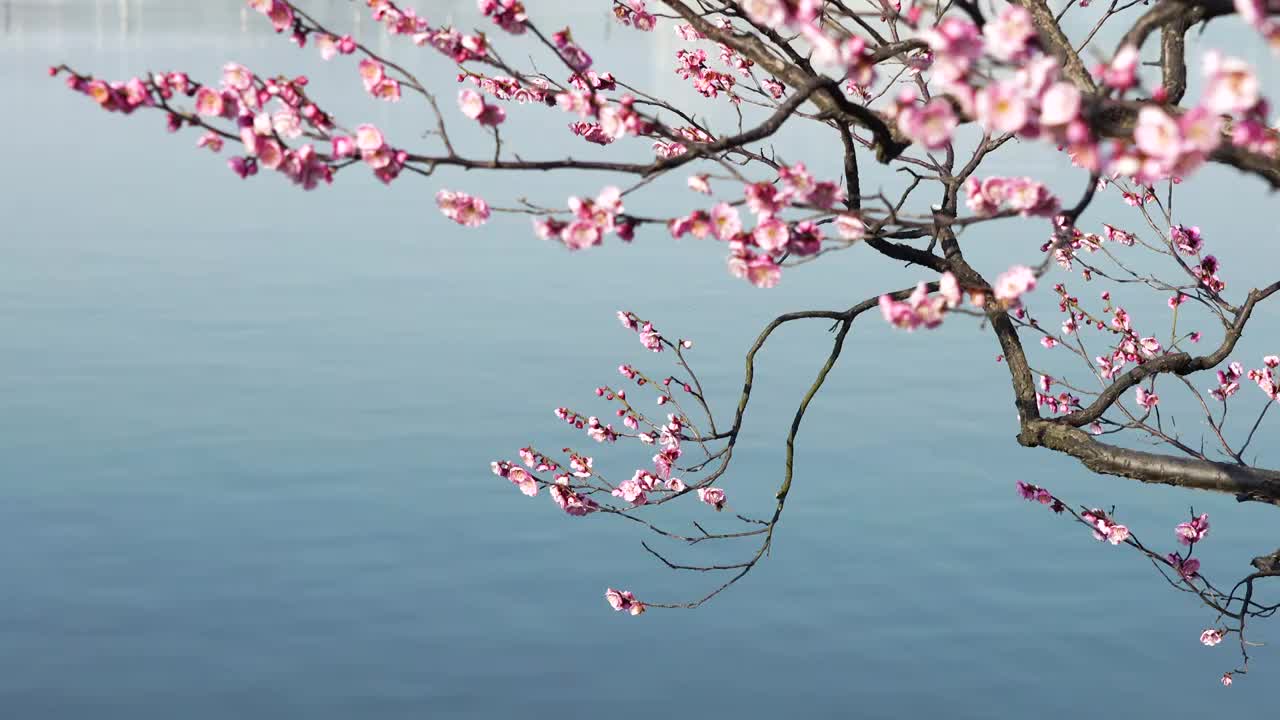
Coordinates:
(245,431)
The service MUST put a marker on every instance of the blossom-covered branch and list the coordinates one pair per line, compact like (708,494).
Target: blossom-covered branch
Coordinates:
(933,91)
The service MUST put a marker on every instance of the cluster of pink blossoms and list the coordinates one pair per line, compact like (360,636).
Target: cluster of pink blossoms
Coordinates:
(462,208)
(1104,527)
(1065,252)
(649,337)
(712,496)
(125,97)
(1229,379)
(1228,382)
(280,14)
(754,254)
(1025,196)
(570,501)
(1168,146)
(921,309)
(506,14)
(376,81)
(633,13)
(372,147)
(601,122)
(1032,103)
(518,476)
(571,488)
(449,41)
(1207,273)
(1036,493)
(508,88)
(623,601)
(248,100)
(1265,377)
(473,106)
(592,220)
(266,112)
(572,53)
(852,58)
(1193,531)
(1187,568)
(1145,398)
(609,122)
(398,21)
(673,149)
(1013,283)
(780,13)
(930,124)
(331,47)
(636,489)
(692,65)
(1063,402)
(1132,347)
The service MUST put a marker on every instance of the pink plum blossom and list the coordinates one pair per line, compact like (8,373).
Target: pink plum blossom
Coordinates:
(1060,104)
(698,183)
(1231,86)
(930,125)
(1122,72)
(1002,108)
(623,601)
(771,235)
(523,480)
(725,221)
(1028,197)
(920,309)
(571,502)
(1186,239)
(474,106)
(209,102)
(1186,568)
(1014,283)
(759,270)
(1007,36)
(1157,134)
(462,208)
(1105,528)
(210,140)
(1193,531)
(712,496)
(1034,493)
(369,138)
(1147,399)
(631,491)
(1211,637)
(956,45)
(850,227)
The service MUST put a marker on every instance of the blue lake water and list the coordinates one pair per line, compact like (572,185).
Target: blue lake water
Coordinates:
(245,435)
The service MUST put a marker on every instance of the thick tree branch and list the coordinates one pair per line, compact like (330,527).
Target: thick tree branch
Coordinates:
(1055,41)
(1246,483)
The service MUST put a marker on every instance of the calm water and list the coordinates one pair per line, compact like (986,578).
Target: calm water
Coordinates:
(245,434)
